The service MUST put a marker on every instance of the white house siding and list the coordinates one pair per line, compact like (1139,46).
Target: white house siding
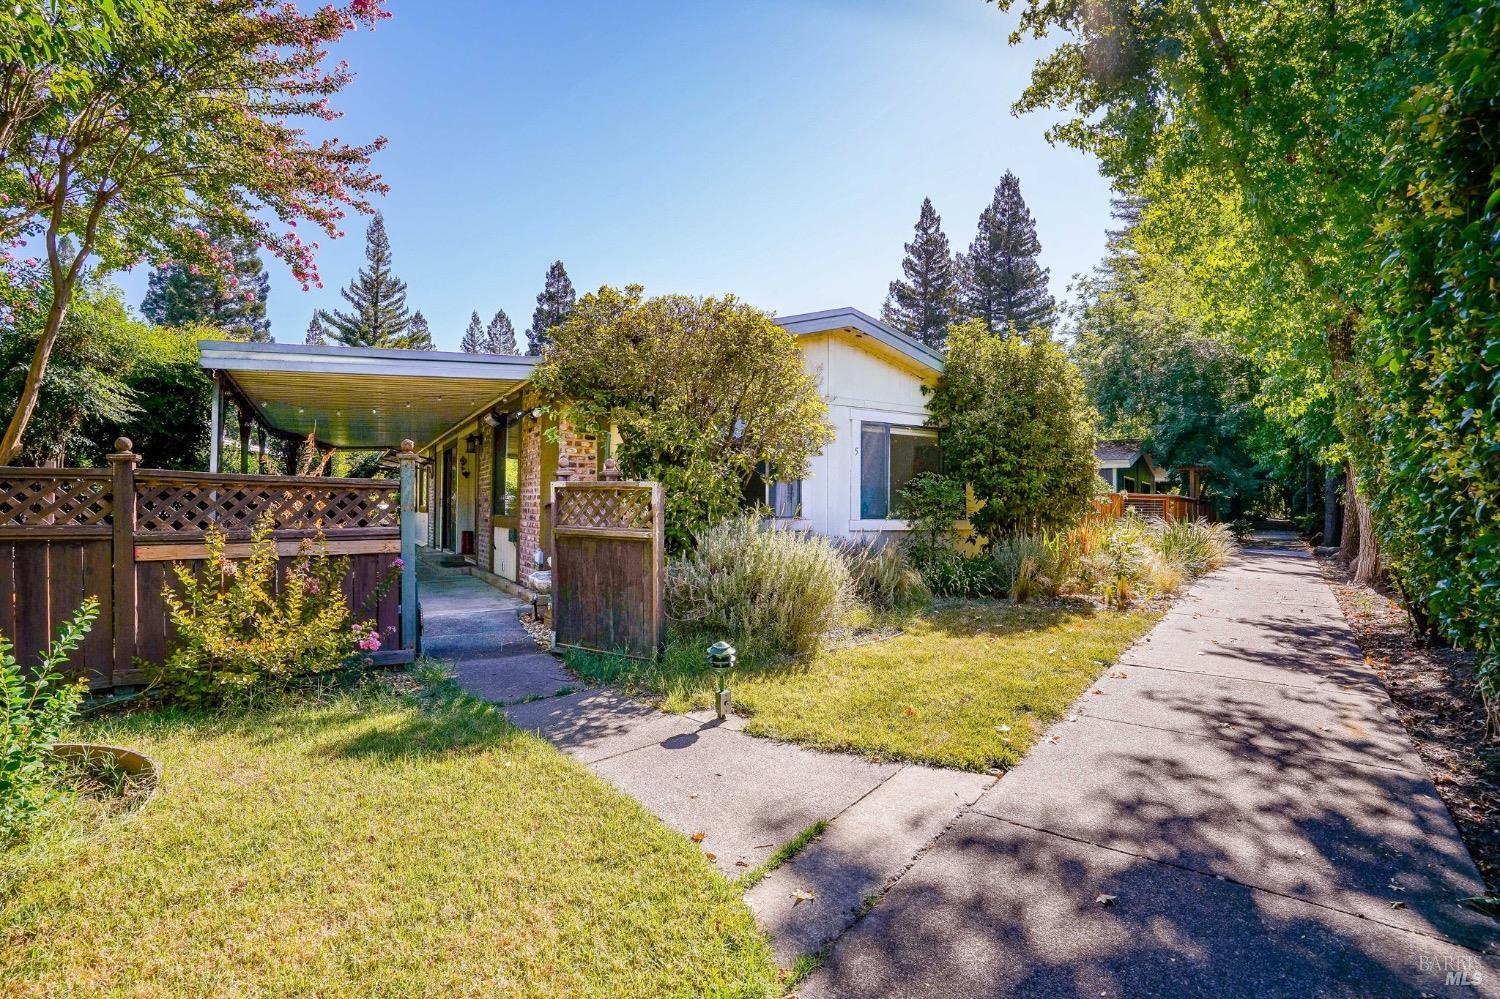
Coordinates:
(861,381)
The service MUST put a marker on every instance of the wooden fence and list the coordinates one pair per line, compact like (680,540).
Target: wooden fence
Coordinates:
(1159,505)
(117,535)
(608,567)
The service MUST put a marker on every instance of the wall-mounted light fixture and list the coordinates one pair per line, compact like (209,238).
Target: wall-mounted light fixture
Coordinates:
(471,443)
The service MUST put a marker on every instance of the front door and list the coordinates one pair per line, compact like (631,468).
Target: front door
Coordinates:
(448,501)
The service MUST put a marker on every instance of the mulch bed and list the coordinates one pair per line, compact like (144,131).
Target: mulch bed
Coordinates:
(1438,700)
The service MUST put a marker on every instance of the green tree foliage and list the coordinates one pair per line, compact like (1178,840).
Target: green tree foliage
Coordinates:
(418,334)
(703,392)
(1000,281)
(1153,371)
(110,376)
(500,335)
(377,315)
(1436,337)
(233,301)
(1015,428)
(317,333)
(184,120)
(473,341)
(553,306)
(925,303)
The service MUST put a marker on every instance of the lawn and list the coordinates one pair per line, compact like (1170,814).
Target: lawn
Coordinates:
(377,844)
(967,684)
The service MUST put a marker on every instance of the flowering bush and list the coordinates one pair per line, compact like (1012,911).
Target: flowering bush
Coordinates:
(35,705)
(240,634)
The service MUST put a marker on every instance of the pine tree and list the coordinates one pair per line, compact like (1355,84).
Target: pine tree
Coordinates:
(317,335)
(552,307)
(500,337)
(378,316)
(924,304)
(418,335)
(1000,280)
(234,301)
(473,341)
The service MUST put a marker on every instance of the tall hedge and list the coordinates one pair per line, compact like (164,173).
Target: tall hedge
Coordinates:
(1015,427)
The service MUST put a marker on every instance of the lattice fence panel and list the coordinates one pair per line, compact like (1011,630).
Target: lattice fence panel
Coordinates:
(62,499)
(622,507)
(167,505)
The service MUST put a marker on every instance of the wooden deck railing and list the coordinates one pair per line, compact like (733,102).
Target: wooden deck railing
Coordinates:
(1159,505)
(117,534)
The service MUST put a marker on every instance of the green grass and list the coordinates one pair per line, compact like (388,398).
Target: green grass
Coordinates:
(969,684)
(788,850)
(372,844)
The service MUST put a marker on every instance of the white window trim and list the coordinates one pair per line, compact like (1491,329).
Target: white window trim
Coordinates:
(905,420)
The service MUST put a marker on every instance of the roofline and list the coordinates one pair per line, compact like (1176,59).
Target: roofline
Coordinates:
(235,355)
(848,317)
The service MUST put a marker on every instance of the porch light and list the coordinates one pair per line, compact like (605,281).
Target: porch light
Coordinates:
(471,443)
(721,659)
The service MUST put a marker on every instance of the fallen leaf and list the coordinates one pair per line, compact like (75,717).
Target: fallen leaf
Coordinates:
(802,895)
(1002,728)
(742,863)
(711,856)
(1105,900)
(909,711)
(697,837)
(1398,904)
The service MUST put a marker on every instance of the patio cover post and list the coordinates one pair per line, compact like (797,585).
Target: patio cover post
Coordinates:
(215,424)
(408,545)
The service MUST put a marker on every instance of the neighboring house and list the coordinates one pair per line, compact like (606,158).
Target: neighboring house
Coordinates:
(490,453)
(1127,468)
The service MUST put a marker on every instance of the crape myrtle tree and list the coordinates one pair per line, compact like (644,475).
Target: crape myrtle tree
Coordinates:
(1000,281)
(179,294)
(1016,429)
(553,305)
(377,316)
(703,392)
(922,305)
(189,121)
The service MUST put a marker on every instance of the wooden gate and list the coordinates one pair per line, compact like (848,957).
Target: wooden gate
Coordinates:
(117,534)
(608,567)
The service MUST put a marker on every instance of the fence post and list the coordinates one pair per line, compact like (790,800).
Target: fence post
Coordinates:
(123,463)
(408,545)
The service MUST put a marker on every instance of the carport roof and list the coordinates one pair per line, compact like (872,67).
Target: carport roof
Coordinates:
(357,397)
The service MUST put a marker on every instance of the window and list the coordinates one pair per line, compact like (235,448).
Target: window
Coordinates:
(505,486)
(783,499)
(889,458)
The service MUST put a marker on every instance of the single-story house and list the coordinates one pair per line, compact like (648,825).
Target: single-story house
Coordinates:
(1129,469)
(489,458)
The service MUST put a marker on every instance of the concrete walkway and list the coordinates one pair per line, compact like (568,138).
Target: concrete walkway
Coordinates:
(740,797)
(1238,813)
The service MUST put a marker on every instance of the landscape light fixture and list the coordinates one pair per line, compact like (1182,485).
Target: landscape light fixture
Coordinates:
(721,659)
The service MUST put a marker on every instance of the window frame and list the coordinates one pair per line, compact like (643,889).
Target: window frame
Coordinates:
(902,423)
(499,455)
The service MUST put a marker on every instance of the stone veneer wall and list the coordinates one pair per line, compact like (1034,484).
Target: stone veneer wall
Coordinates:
(529,526)
(484,530)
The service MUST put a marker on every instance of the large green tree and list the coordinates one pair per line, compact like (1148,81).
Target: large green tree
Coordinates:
(1016,429)
(473,340)
(553,306)
(1000,280)
(233,301)
(185,121)
(924,303)
(377,316)
(704,392)
(500,335)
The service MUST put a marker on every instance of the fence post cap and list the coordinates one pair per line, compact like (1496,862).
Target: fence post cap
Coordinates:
(122,445)
(408,446)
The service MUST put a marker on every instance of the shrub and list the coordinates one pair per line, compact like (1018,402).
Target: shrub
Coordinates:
(772,592)
(37,706)
(1194,547)
(883,577)
(240,635)
(949,572)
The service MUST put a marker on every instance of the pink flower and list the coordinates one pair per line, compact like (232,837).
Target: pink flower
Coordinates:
(398,563)
(371,642)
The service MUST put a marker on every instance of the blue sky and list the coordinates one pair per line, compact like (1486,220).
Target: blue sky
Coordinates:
(778,150)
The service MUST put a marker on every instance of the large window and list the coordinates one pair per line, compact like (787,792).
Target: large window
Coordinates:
(889,458)
(784,499)
(505,485)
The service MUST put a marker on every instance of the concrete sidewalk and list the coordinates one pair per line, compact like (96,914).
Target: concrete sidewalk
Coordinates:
(739,797)
(1239,812)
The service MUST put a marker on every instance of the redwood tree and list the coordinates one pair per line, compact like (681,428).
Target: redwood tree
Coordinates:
(189,122)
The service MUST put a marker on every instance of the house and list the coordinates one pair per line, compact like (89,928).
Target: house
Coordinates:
(1127,468)
(490,451)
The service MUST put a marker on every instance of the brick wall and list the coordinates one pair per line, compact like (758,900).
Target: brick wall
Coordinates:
(577,453)
(529,527)
(484,534)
